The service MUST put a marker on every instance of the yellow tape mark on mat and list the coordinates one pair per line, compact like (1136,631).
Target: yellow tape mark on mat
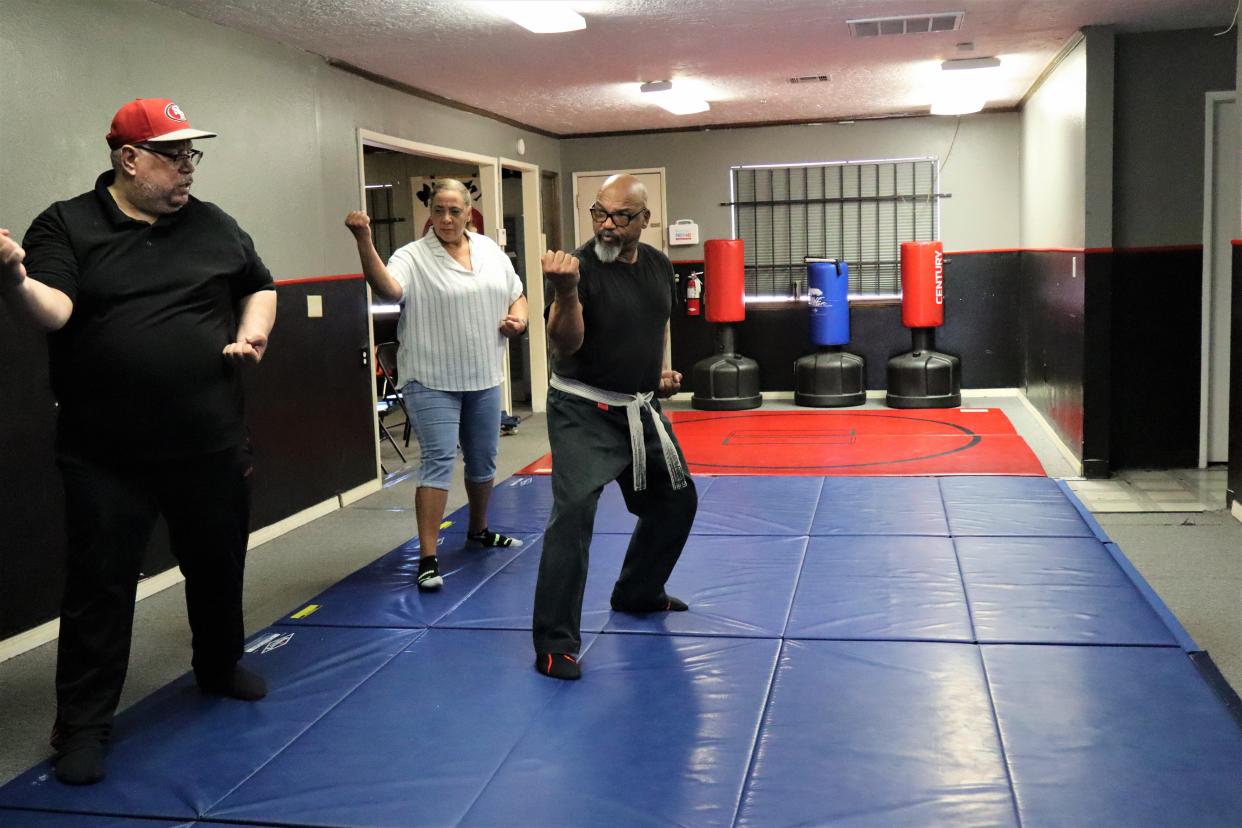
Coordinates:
(446,524)
(305,611)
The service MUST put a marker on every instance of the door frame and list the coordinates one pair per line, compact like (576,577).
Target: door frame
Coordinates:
(533,245)
(489,178)
(647,170)
(1211,184)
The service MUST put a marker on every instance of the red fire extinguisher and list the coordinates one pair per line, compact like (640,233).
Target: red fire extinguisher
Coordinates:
(694,290)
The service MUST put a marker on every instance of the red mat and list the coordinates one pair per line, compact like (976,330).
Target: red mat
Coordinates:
(867,442)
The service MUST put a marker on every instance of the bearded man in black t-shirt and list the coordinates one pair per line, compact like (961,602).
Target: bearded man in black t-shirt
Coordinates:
(151,300)
(607,327)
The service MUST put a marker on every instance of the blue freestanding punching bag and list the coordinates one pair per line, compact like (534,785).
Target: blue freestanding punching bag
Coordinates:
(830,377)
(828,290)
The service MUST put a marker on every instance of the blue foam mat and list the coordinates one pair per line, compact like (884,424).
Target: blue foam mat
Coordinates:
(736,586)
(878,733)
(179,751)
(44,819)
(523,504)
(419,740)
(1010,506)
(388,709)
(758,506)
(385,593)
(506,601)
(880,506)
(1126,737)
(661,734)
(885,588)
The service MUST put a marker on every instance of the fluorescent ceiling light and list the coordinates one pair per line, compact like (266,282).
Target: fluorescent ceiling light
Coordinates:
(963,85)
(662,94)
(957,103)
(540,16)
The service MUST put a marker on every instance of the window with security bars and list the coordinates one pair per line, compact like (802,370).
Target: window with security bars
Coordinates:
(858,212)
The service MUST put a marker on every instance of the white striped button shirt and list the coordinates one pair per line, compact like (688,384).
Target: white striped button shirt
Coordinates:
(449,328)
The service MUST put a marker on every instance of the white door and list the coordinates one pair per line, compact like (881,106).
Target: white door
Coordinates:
(1221,218)
(586,186)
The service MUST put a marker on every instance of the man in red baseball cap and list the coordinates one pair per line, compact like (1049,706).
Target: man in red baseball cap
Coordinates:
(152,301)
(151,120)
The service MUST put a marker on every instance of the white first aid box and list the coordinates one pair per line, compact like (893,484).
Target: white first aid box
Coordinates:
(683,231)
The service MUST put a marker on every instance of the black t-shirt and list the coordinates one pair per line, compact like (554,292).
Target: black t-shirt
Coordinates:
(625,308)
(138,369)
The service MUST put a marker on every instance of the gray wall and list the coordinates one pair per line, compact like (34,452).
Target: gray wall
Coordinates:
(1161,81)
(285,164)
(981,173)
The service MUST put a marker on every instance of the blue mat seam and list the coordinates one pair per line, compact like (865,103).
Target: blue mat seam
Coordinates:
(206,814)
(793,596)
(754,742)
(961,576)
(518,740)
(1000,737)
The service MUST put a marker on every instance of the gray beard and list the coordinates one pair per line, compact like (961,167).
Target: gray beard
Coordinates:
(607,253)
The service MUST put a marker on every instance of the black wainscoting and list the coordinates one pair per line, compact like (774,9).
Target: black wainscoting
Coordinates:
(308,408)
(1157,318)
(981,312)
(309,402)
(1053,341)
(32,534)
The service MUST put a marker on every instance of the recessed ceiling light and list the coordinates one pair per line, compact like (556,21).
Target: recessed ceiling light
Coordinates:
(970,63)
(540,16)
(661,93)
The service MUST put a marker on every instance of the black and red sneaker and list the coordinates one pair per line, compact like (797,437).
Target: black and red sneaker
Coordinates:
(558,665)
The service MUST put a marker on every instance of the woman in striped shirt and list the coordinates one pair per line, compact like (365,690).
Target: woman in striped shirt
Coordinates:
(460,301)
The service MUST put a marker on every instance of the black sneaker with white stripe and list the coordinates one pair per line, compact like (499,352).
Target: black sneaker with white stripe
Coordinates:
(429,574)
(493,539)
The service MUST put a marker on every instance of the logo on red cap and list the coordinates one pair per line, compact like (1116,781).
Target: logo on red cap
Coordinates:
(173,112)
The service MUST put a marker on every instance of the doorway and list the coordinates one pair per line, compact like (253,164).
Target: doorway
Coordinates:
(587,184)
(527,366)
(394,173)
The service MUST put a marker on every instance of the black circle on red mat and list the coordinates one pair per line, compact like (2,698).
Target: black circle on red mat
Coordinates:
(969,438)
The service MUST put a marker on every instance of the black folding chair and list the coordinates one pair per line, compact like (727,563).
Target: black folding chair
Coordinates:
(390,399)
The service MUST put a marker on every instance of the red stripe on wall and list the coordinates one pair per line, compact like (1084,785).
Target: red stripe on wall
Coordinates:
(309,279)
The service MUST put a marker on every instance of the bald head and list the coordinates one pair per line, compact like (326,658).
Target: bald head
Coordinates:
(620,215)
(624,188)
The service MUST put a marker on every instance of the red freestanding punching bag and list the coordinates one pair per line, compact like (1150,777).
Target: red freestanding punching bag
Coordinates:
(924,377)
(922,284)
(726,381)
(725,280)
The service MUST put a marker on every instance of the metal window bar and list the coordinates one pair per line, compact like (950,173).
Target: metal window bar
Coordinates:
(856,211)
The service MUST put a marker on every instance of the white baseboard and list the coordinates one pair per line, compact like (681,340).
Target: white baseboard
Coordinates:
(1051,434)
(1236,509)
(359,492)
(44,633)
(28,640)
(280,527)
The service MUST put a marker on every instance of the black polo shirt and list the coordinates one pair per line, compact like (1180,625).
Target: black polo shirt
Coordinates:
(138,369)
(625,307)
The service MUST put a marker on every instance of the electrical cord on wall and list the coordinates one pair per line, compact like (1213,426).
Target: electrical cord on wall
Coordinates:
(945,162)
(1231,22)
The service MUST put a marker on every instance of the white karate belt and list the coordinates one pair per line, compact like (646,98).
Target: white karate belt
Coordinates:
(633,405)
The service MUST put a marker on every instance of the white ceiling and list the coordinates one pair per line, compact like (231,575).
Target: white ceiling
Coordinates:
(741,53)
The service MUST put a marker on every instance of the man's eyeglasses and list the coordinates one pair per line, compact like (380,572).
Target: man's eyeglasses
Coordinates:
(599,215)
(194,156)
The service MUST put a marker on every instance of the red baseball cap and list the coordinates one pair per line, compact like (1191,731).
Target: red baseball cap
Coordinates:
(151,119)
